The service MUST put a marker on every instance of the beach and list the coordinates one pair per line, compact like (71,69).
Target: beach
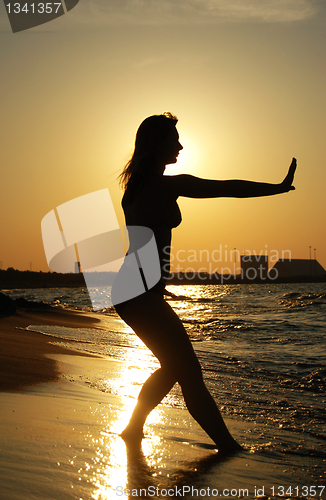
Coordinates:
(60,429)
(23,361)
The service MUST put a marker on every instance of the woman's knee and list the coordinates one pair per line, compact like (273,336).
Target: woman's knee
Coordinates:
(186,372)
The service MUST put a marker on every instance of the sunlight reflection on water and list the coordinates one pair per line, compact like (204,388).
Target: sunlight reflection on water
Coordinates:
(107,468)
(112,463)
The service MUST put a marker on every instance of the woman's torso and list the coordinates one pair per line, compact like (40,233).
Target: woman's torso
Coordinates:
(154,205)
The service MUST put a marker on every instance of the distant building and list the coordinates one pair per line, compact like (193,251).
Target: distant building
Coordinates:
(254,267)
(294,268)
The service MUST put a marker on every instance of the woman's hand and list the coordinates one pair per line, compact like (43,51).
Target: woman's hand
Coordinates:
(287,183)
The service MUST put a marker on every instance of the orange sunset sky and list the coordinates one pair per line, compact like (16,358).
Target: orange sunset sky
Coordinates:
(246,79)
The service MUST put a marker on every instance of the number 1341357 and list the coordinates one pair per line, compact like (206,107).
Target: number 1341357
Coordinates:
(33,8)
(305,491)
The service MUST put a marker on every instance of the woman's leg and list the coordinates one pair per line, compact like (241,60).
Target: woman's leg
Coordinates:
(156,387)
(157,325)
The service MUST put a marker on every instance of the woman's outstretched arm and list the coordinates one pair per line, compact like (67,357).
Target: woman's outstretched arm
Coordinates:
(194,187)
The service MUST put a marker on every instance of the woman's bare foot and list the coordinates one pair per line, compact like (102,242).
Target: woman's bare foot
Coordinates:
(229,447)
(132,434)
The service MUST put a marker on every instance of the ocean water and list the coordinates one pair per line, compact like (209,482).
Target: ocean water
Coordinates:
(262,349)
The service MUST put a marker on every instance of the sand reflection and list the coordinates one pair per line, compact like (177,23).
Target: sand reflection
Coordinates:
(148,470)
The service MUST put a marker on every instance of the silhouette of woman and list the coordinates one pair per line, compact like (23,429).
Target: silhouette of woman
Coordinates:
(150,199)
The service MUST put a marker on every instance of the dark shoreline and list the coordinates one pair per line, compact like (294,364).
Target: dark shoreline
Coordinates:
(13,279)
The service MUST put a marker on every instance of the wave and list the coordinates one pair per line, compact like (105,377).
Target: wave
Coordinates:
(295,300)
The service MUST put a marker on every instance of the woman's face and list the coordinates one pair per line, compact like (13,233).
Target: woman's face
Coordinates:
(170,147)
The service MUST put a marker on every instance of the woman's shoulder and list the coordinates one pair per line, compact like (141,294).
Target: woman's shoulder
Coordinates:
(177,183)
(158,187)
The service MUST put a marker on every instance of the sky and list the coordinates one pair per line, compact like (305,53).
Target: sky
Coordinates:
(246,79)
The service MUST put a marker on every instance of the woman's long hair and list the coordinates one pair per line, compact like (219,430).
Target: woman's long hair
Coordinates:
(151,132)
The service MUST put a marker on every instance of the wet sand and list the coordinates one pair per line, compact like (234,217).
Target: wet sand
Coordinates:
(23,357)
(59,436)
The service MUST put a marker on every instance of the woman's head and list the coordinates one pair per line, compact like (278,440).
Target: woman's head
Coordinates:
(156,145)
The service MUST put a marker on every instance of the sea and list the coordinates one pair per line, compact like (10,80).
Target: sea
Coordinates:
(261,346)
